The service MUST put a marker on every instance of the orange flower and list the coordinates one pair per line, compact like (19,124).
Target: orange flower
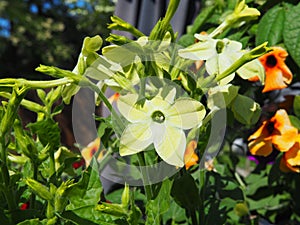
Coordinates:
(277,132)
(278,75)
(291,159)
(190,157)
(89,151)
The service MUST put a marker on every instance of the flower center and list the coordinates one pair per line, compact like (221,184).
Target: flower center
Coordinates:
(220,46)
(158,117)
(271,61)
(270,127)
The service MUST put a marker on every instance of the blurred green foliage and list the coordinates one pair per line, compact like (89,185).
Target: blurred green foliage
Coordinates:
(34,32)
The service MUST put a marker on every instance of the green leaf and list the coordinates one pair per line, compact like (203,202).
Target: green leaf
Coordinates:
(256,181)
(89,215)
(31,222)
(47,131)
(160,205)
(135,214)
(25,142)
(245,110)
(186,193)
(84,197)
(175,213)
(201,18)
(268,202)
(296,105)
(186,40)
(270,27)
(291,33)
(87,191)
(69,215)
(295,121)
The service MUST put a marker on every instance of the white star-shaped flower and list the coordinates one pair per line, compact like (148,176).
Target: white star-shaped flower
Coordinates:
(219,55)
(161,122)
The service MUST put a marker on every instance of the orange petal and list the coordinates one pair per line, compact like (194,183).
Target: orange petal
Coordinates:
(261,146)
(190,157)
(280,119)
(284,135)
(274,80)
(286,167)
(293,155)
(283,142)
(281,55)
(261,132)
(287,74)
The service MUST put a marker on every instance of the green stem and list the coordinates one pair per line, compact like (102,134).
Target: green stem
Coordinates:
(8,192)
(50,212)
(220,29)
(52,161)
(202,197)
(173,5)
(35,175)
(10,82)
(194,218)
(32,106)
(142,162)
(119,123)
(239,180)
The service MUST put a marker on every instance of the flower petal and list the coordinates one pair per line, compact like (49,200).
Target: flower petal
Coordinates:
(286,167)
(284,135)
(219,64)
(171,146)
(185,113)
(293,155)
(253,71)
(190,157)
(232,46)
(261,146)
(127,107)
(274,80)
(135,138)
(262,132)
(158,103)
(201,50)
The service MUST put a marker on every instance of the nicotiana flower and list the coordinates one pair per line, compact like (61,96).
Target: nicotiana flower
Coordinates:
(219,55)
(277,131)
(278,75)
(160,121)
